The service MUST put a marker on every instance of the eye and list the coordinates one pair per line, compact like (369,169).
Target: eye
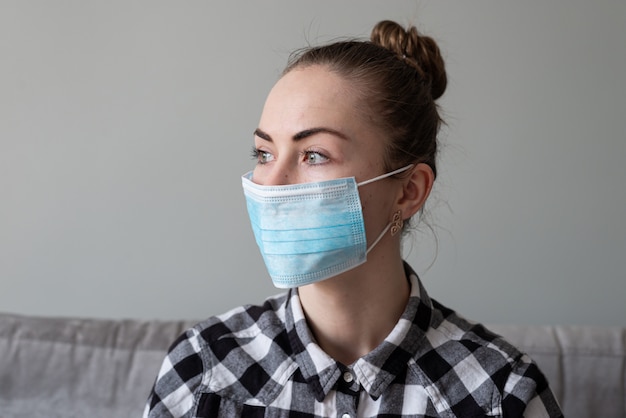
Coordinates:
(314,157)
(261,157)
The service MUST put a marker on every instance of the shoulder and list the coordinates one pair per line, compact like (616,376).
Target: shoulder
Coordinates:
(222,342)
(244,321)
(455,337)
(451,333)
(470,364)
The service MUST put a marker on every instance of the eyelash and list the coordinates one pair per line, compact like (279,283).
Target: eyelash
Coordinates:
(256,154)
(310,152)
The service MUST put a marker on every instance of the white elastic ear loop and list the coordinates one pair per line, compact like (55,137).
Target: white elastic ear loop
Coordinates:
(382,176)
(382,234)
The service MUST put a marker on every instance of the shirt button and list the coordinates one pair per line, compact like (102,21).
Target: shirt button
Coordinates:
(345,416)
(347,376)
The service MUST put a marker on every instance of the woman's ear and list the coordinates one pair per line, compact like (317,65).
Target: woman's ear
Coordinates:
(415,190)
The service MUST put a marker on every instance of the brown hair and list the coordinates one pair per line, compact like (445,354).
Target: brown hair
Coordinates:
(400,74)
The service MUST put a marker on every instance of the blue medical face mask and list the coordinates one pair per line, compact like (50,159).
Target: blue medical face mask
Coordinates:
(309,232)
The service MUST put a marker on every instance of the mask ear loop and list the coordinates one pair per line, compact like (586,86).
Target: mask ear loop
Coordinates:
(382,234)
(382,176)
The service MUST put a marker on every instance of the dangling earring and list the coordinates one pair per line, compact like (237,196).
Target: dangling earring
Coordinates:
(396,223)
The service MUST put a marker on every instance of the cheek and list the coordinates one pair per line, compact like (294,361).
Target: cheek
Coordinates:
(377,207)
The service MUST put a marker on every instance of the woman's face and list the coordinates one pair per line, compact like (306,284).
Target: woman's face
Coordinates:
(313,128)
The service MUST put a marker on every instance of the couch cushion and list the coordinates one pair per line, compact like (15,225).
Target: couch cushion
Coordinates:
(58,367)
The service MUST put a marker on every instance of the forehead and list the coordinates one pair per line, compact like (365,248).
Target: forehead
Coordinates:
(311,96)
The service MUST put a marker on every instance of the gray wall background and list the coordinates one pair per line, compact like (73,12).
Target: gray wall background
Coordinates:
(125,127)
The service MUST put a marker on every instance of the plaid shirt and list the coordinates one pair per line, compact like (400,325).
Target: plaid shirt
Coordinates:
(261,361)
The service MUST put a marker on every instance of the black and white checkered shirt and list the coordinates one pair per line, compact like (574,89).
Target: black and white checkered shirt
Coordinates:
(261,361)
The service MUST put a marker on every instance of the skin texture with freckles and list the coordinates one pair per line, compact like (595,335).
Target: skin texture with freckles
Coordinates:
(312,129)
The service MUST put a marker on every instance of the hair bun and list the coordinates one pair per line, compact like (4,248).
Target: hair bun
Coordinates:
(421,52)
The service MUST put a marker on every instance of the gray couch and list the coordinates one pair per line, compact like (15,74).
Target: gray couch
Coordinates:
(62,367)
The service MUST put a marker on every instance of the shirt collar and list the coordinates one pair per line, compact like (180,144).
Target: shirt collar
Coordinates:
(376,370)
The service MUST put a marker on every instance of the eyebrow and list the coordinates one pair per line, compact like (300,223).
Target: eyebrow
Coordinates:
(302,134)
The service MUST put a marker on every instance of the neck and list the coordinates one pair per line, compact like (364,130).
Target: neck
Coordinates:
(351,314)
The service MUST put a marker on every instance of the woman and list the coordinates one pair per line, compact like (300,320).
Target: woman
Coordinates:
(345,152)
